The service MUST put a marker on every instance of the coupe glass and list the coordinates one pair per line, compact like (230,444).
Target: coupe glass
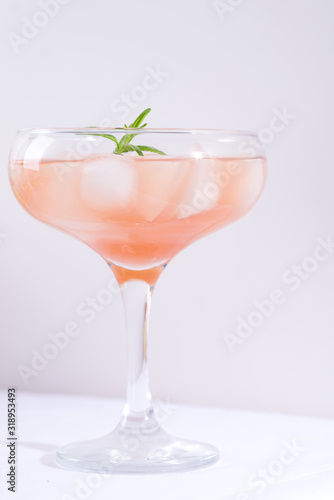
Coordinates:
(137,213)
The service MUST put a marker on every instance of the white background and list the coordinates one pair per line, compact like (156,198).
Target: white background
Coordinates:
(229,71)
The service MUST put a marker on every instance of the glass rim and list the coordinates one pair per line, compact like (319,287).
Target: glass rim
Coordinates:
(105,130)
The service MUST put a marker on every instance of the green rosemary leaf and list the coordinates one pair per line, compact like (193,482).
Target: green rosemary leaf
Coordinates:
(107,136)
(131,147)
(140,118)
(153,150)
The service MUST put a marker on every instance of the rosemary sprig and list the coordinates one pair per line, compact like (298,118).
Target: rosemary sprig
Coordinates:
(124,146)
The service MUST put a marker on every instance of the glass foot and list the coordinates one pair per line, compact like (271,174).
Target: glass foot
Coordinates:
(131,450)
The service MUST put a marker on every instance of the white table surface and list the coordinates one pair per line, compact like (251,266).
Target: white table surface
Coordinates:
(247,441)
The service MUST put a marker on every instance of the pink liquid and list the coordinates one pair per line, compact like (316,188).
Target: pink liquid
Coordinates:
(138,212)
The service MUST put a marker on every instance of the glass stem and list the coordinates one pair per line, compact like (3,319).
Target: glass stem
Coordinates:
(136,290)
(137,300)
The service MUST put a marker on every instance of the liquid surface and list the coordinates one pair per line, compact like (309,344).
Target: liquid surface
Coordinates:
(138,212)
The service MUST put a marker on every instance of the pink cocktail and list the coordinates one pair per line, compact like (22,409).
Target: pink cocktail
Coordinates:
(137,212)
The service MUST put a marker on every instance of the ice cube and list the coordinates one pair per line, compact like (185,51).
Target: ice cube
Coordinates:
(108,182)
(160,183)
(203,190)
